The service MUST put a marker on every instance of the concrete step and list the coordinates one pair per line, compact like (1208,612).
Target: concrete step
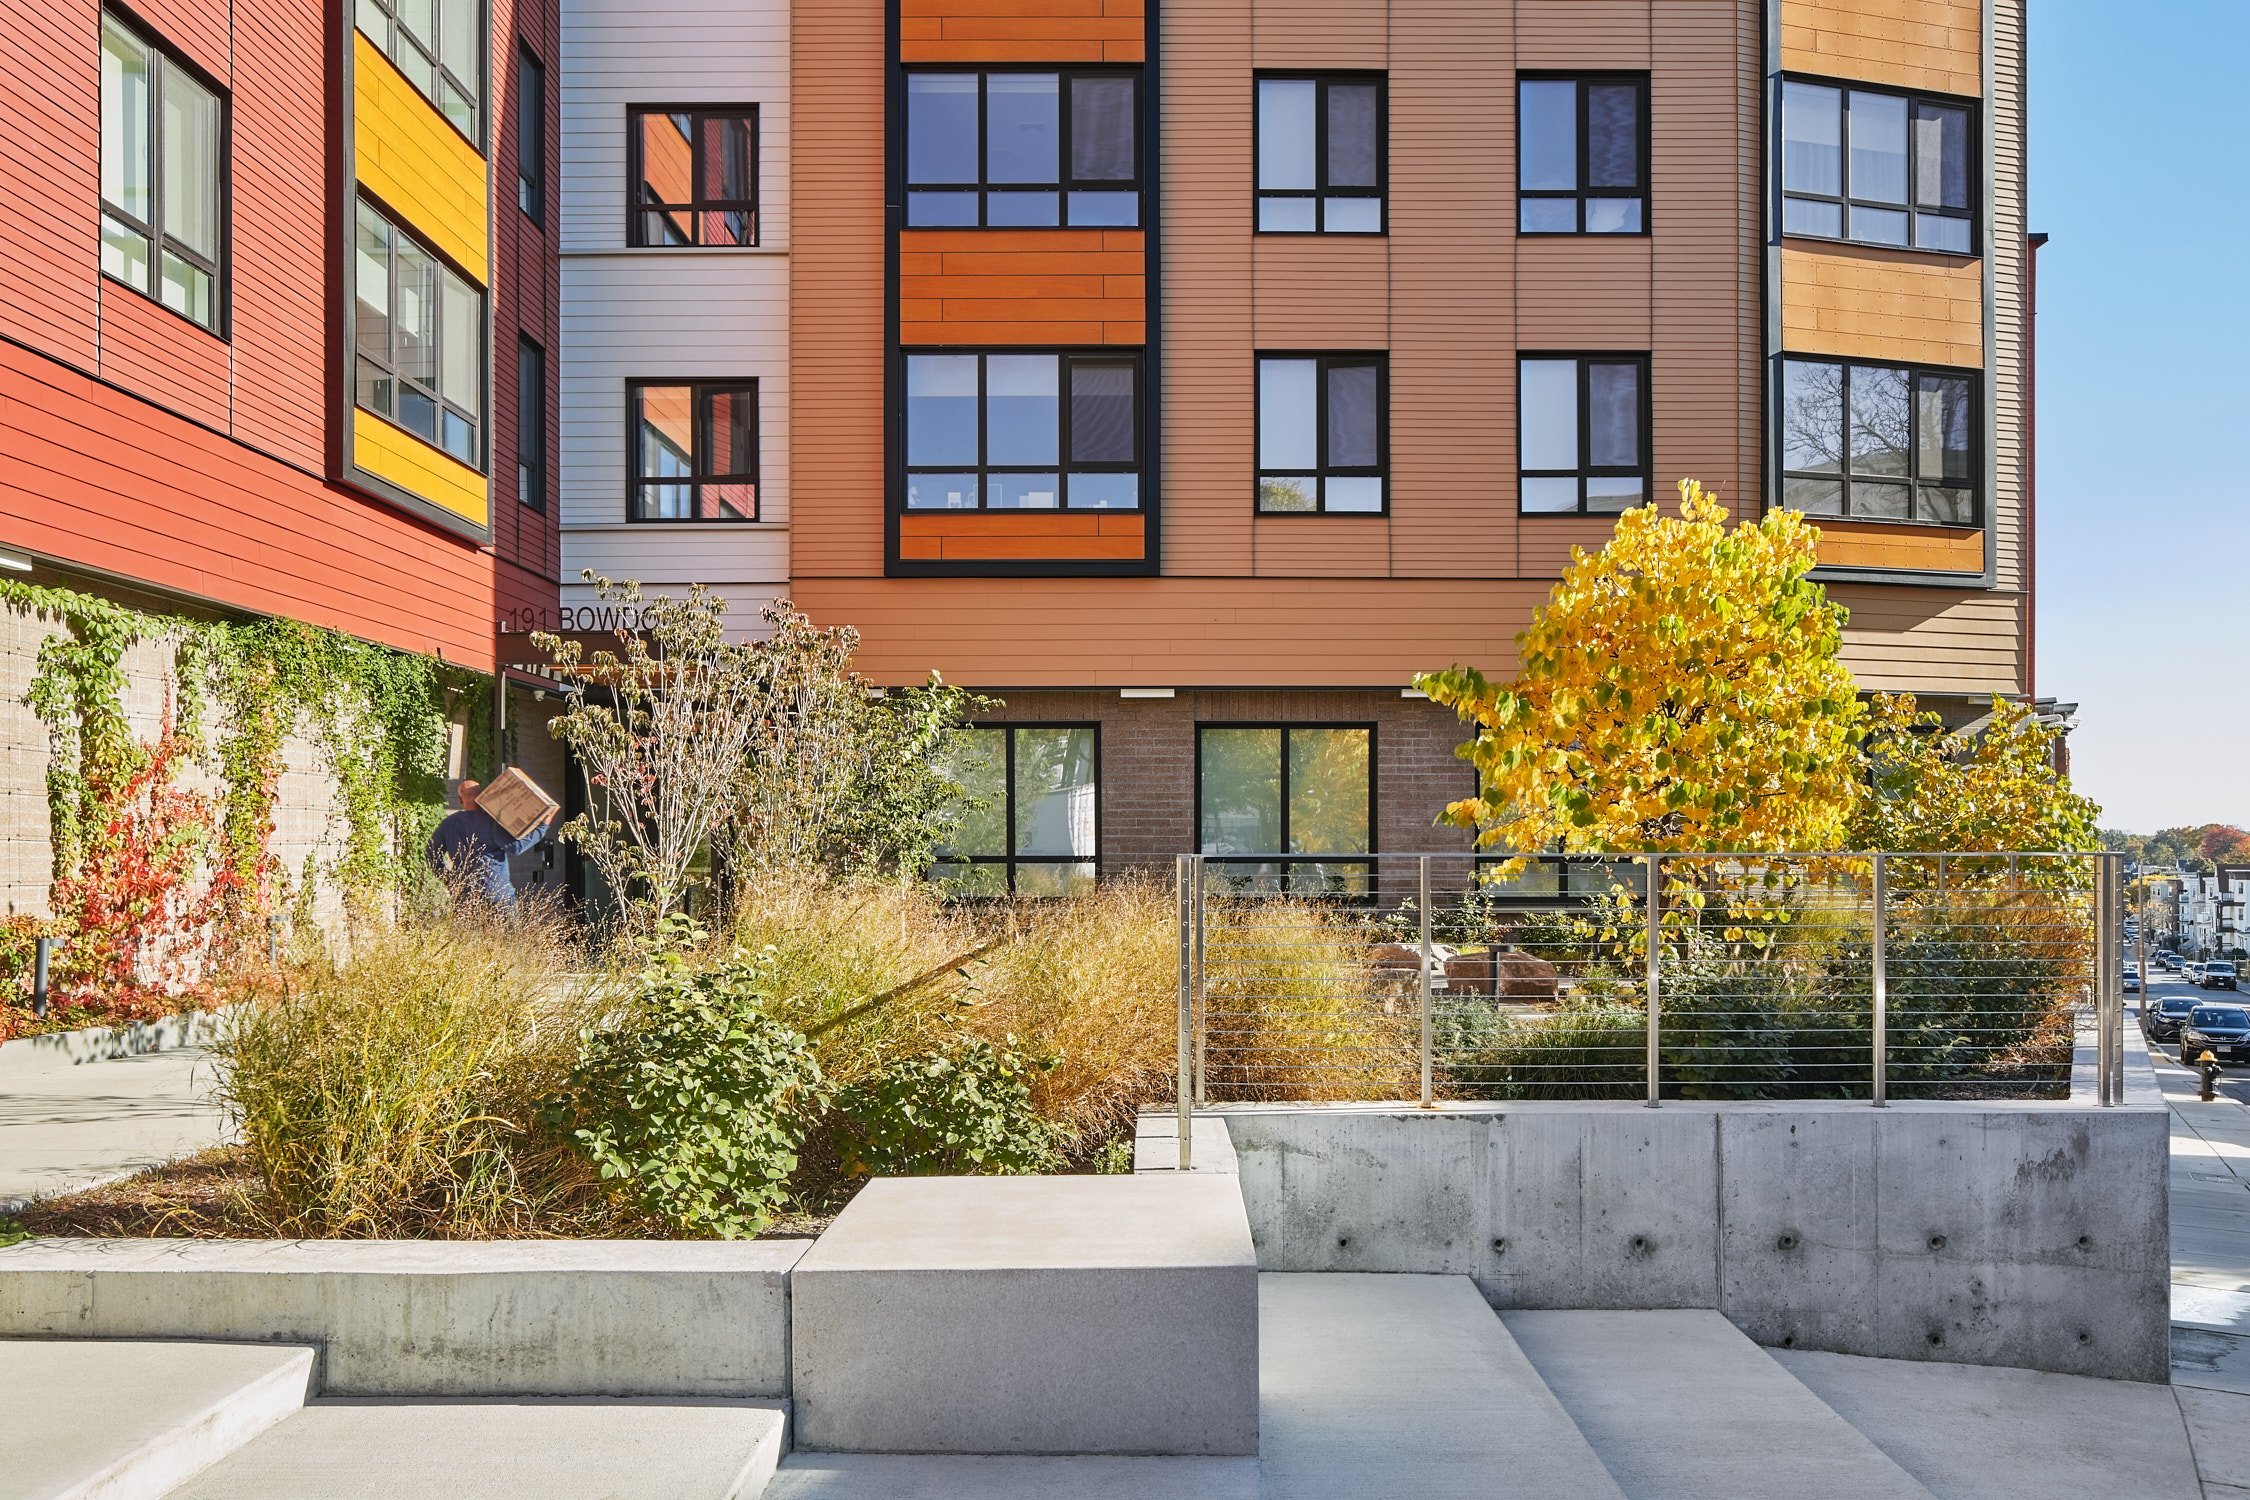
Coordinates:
(1409,1386)
(117,1420)
(1681,1406)
(923,1476)
(554,1448)
(1972,1432)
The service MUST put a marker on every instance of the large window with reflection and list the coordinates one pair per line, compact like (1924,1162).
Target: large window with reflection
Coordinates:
(1582,433)
(1582,155)
(1296,800)
(1030,821)
(1009,148)
(1031,430)
(1321,149)
(164,179)
(439,46)
(694,450)
(1323,434)
(1879,442)
(1877,167)
(418,332)
(694,176)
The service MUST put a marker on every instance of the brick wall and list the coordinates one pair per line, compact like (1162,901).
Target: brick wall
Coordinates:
(1147,791)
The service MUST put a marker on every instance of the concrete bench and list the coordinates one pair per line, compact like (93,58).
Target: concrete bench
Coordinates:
(1088,1315)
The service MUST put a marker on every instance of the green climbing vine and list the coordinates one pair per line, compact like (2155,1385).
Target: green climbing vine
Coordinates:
(376,714)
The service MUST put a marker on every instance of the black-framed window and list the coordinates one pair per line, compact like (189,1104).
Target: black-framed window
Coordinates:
(1322,144)
(1582,433)
(1297,800)
(1323,434)
(1879,442)
(1032,826)
(418,330)
(164,177)
(531,423)
(1877,167)
(438,45)
(693,451)
(694,175)
(1023,148)
(1582,154)
(531,135)
(1037,429)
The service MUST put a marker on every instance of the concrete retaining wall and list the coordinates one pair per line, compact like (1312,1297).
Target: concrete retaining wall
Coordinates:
(67,1049)
(2030,1234)
(395,1318)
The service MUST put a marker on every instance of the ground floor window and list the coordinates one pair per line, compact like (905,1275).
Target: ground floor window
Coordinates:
(1296,799)
(1031,824)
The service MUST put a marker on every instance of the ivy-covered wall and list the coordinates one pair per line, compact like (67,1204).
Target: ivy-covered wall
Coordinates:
(312,752)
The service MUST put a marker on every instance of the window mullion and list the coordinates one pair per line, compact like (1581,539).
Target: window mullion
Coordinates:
(1282,822)
(1583,115)
(983,78)
(1321,367)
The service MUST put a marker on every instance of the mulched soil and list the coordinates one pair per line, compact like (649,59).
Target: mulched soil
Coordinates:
(211,1196)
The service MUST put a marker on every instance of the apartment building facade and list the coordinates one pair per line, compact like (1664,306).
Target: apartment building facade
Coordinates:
(1190,375)
(280,311)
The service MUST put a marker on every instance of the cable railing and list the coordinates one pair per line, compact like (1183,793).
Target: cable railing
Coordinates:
(1457,978)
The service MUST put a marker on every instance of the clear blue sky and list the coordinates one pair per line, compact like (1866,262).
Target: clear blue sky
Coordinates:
(2140,170)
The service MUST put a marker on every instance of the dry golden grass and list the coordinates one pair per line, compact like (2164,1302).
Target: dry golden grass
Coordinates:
(395,1093)
(1298,1006)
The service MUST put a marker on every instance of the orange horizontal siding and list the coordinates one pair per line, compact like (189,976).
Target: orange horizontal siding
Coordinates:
(1022,286)
(1060,31)
(968,536)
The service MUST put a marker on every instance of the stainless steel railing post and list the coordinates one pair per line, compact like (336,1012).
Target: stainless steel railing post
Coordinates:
(2104,963)
(1882,984)
(1184,1092)
(1429,957)
(1199,998)
(1655,924)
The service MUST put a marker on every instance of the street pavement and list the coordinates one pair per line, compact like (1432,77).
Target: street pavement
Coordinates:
(79,1127)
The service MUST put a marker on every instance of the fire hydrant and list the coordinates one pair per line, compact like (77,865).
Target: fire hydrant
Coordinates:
(2207,1067)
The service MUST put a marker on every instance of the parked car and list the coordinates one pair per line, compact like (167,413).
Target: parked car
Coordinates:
(2192,972)
(2162,1017)
(2221,1030)
(2217,975)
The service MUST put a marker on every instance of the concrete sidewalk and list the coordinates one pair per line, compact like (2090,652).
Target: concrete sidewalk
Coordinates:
(76,1128)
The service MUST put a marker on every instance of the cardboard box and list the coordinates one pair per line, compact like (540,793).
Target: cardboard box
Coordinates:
(516,802)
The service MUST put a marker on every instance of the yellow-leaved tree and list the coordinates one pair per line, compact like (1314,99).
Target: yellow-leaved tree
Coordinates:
(1994,786)
(1681,689)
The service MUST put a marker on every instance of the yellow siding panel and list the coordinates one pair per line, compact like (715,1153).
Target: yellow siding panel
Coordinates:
(390,453)
(407,155)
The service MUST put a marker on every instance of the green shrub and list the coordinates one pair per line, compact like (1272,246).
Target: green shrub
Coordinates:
(964,1109)
(693,1101)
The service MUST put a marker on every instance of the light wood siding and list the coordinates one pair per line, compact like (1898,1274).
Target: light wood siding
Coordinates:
(1079,31)
(686,314)
(1920,44)
(406,155)
(1919,639)
(1882,304)
(1022,286)
(836,297)
(1874,544)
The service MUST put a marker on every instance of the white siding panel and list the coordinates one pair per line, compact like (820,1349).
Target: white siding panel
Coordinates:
(622,52)
(640,314)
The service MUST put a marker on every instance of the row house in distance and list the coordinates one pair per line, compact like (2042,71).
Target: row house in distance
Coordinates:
(1190,374)
(280,309)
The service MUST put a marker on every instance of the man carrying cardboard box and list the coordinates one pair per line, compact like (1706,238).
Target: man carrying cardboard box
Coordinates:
(473,847)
